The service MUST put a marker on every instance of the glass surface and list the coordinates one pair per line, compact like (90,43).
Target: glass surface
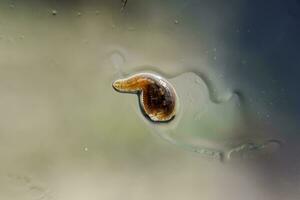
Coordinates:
(65,133)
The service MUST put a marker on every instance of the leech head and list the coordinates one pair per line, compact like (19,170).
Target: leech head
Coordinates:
(157,96)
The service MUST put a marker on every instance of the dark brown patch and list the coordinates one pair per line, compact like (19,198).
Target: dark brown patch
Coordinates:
(158,99)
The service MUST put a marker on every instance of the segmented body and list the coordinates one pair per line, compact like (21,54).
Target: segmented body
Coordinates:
(157,95)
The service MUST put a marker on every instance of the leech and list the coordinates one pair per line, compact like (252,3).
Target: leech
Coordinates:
(157,96)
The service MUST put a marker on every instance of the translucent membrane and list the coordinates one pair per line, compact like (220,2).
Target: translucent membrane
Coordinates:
(204,123)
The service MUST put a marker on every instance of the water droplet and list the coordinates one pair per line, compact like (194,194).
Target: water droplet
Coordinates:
(54,12)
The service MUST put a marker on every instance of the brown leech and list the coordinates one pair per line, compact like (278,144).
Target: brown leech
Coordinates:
(157,96)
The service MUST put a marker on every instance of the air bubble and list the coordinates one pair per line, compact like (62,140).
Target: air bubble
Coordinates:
(54,12)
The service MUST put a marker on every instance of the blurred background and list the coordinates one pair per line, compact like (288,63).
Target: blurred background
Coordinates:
(66,134)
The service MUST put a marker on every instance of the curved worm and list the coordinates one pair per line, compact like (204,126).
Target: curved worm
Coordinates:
(157,96)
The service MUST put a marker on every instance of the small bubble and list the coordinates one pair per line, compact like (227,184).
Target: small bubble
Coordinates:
(12,6)
(85,149)
(97,12)
(176,21)
(215,57)
(78,14)
(54,12)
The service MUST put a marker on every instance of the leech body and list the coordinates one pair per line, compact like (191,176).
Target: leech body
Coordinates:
(157,96)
